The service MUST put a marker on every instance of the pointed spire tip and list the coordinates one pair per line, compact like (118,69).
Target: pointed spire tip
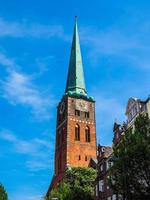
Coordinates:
(76,18)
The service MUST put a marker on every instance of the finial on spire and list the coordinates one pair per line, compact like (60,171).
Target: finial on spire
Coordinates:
(76,20)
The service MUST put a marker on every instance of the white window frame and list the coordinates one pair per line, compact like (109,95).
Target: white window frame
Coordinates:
(101,185)
(114,197)
(102,167)
(96,190)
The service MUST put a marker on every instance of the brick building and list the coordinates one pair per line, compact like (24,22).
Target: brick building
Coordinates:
(102,189)
(133,109)
(75,130)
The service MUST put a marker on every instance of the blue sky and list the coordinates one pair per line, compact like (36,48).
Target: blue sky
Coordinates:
(35,42)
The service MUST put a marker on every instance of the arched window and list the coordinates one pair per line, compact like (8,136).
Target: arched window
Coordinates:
(86,158)
(130,116)
(87,134)
(135,110)
(77,132)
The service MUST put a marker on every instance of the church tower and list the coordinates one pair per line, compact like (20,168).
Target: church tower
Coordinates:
(75,130)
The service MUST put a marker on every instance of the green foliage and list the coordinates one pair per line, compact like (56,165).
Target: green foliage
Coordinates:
(78,184)
(131,171)
(3,194)
(62,192)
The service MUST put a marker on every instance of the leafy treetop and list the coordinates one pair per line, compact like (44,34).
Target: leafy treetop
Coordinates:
(78,184)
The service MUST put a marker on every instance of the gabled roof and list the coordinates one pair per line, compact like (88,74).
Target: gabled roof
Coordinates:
(106,150)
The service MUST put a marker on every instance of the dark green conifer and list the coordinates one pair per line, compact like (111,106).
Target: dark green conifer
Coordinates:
(3,193)
(130,175)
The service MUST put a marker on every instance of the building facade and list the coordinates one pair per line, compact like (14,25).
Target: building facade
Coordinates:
(102,189)
(105,154)
(75,130)
(135,107)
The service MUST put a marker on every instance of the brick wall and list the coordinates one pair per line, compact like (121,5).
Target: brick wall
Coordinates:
(68,151)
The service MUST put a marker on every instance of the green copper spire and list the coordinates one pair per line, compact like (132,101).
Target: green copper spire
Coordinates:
(75,81)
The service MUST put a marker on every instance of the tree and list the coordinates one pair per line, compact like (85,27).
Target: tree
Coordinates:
(3,194)
(130,174)
(62,192)
(78,184)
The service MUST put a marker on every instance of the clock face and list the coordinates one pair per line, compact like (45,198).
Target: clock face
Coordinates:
(62,108)
(81,105)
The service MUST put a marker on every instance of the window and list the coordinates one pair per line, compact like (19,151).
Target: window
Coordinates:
(99,153)
(96,190)
(103,149)
(130,116)
(79,157)
(77,112)
(77,132)
(86,158)
(101,185)
(111,163)
(87,134)
(112,180)
(101,167)
(87,114)
(107,165)
(117,135)
(114,197)
(135,110)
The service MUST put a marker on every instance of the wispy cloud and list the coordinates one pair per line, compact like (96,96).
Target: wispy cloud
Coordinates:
(19,88)
(6,135)
(38,151)
(25,29)
(109,42)
(44,63)
(132,47)
(5,61)
(36,165)
(31,147)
